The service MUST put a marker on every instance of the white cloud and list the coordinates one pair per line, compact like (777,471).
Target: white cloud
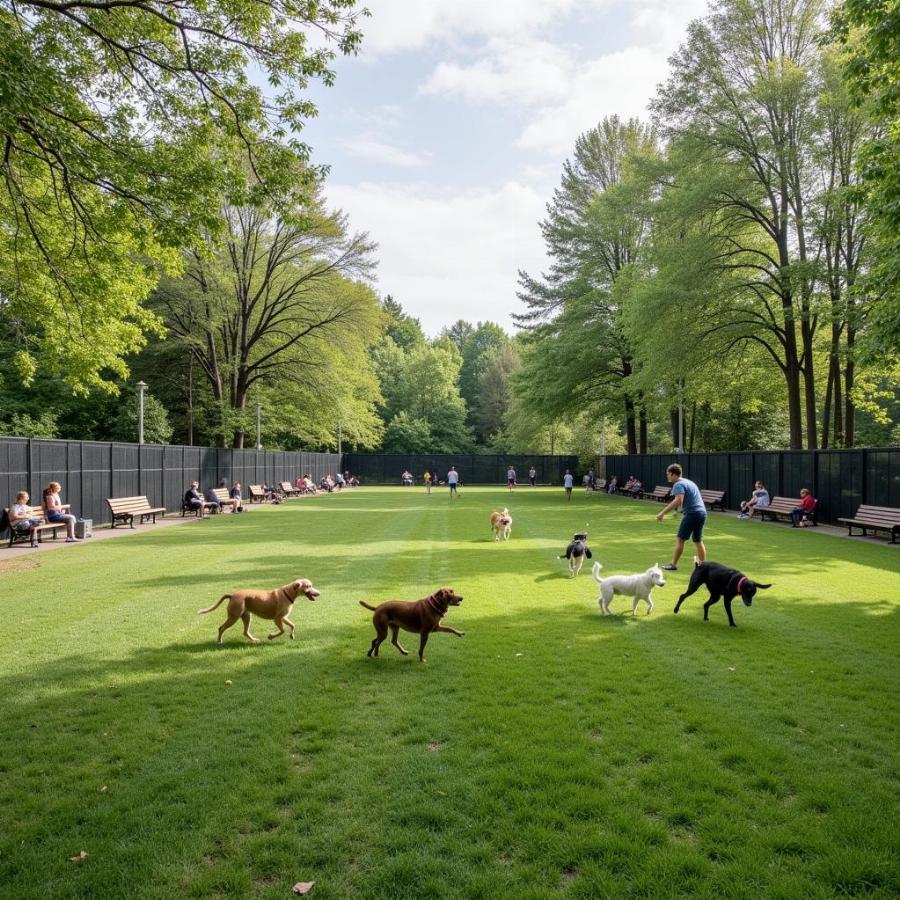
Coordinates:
(373,150)
(448,255)
(620,83)
(523,70)
(559,91)
(403,25)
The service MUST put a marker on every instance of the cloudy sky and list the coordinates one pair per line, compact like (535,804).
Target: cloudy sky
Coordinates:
(446,135)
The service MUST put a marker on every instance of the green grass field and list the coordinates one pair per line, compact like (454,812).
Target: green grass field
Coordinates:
(550,752)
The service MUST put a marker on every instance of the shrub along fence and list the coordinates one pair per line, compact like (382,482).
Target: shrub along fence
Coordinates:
(473,468)
(91,471)
(840,479)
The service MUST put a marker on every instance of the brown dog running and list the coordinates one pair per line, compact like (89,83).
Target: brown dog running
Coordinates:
(419,616)
(275,605)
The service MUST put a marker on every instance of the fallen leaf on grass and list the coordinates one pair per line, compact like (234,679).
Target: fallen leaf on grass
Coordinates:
(731,668)
(79,858)
(227,681)
(104,789)
(303,887)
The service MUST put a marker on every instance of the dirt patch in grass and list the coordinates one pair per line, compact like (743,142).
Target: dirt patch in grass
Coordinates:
(18,565)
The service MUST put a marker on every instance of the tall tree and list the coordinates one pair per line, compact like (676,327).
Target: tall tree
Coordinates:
(123,123)
(740,100)
(869,30)
(479,346)
(271,307)
(595,229)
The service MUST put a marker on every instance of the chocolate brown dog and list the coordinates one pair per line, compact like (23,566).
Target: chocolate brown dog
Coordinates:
(275,605)
(422,617)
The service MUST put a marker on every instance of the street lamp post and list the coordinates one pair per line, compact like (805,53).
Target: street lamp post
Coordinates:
(141,386)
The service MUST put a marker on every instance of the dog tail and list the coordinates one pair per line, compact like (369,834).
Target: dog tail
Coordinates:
(595,572)
(211,608)
(696,562)
(367,606)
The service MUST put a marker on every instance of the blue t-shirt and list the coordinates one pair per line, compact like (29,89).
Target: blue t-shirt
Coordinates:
(693,502)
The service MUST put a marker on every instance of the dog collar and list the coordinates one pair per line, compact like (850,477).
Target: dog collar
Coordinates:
(741,582)
(435,605)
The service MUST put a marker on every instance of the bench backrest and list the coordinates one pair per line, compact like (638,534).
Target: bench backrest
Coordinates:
(255,489)
(707,494)
(785,504)
(882,514)
(662,489)
(221,494)
(127,504)
(287,487)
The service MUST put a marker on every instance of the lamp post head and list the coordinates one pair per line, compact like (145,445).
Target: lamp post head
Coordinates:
(142,386)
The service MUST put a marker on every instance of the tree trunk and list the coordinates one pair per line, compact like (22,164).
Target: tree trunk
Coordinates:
(693,422)
(643,430)
(673,424)
(630,434)
(849,406)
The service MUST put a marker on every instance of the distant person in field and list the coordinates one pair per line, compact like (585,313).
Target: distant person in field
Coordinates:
(426,478)
(511,477)
(568,484)
(532,476)
(453,481)
(685,494)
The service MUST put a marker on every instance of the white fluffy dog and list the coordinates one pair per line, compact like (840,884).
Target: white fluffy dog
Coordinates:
(637,586)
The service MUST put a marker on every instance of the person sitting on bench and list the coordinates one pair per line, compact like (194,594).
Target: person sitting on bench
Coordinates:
(53,511)
(192,498)
(802,515)
(21,519)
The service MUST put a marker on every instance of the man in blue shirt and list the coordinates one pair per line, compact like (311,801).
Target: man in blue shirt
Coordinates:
(685,494)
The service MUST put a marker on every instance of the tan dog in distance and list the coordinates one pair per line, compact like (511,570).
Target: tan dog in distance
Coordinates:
(501,524)
(275,605)
(422,617)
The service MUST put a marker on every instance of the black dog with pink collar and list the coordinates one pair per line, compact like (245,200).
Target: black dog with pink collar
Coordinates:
(723,584)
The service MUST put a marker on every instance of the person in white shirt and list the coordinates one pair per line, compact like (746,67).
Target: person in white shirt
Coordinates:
(453,481)
(20,517)
(511,477)
(568,483)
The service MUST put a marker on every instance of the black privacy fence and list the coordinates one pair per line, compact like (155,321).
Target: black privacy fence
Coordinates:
(840,479)
(473,468)
(90,471)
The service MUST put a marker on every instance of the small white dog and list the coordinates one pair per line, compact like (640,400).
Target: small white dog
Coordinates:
(637,586)
(501,524)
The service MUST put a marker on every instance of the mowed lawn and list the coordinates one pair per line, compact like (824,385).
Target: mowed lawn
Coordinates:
(551,752)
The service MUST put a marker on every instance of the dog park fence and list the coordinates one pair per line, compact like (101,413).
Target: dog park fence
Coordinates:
(473,468)
(91,471)
(839,479)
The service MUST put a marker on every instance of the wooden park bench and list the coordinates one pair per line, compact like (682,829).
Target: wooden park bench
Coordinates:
(257,494)
(783,506)
(288,489)
(713,498)
(224,498)
(875,518)
(34,534)
(661,493)
(124,509)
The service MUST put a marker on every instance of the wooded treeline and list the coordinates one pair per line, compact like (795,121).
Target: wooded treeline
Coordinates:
(729,259)
(735,258)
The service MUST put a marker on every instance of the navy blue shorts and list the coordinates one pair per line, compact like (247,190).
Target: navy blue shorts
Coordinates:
(691,526)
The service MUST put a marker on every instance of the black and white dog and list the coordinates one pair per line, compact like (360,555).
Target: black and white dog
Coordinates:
(576,552)
(723,584)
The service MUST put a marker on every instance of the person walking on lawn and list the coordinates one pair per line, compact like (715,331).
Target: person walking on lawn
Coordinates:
(685,494)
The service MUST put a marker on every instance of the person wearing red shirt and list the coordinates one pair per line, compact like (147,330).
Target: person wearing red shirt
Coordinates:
(801,515)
